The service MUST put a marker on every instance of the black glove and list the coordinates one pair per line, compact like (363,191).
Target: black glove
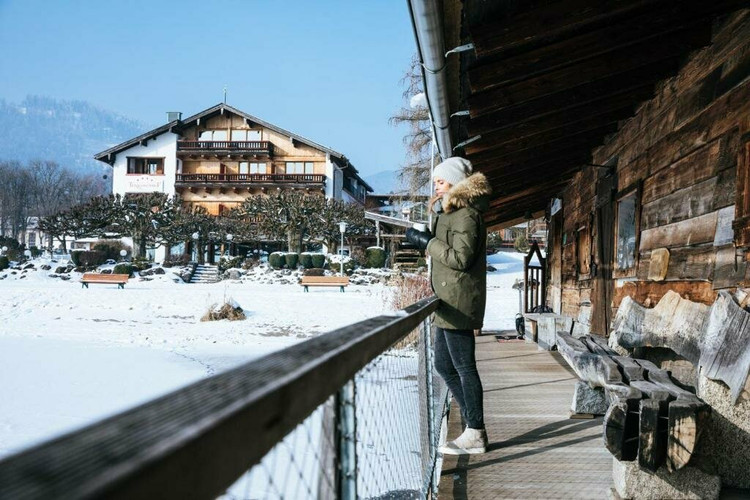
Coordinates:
(419,239)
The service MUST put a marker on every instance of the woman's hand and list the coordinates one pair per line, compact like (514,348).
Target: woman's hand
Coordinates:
(419,239)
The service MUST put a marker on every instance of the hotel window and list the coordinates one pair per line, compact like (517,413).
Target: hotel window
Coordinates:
(245,135)
(258,168)
(146,166)
(213,135)
(299,167)
(253,168)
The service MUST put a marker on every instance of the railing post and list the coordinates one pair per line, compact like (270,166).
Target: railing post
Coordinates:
(427,332)
(346,416)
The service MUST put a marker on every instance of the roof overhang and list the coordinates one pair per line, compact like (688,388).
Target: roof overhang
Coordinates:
(548,81)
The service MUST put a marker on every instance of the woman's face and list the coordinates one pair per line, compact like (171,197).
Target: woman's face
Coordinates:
(441,186)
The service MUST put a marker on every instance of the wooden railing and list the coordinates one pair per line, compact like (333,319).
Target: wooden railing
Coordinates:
(253,178)
(215,428)
(265,147)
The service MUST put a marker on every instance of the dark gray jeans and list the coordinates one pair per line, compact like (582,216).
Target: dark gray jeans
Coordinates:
(455,362)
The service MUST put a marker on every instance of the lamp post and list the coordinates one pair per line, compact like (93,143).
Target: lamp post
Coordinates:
(5,250)
(229,238)
(123,253)
(342,229)
(27,253)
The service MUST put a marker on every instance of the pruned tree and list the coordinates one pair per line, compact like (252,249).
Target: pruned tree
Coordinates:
(415,173)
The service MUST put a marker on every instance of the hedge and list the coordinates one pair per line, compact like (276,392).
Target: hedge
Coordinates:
(375,257)
(276,260)
(291,260)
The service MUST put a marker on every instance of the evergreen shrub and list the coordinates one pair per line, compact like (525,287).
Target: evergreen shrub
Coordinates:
(88,258)
(276,260)
(305,260)
(318,260)
(375,257)
(291,260)
(334,264)
(123,269)
(110,249)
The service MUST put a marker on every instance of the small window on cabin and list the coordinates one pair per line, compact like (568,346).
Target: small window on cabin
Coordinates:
(220,135)
(626,233)
(258,168)
(239,135)
(308,167)
(244,167)
(583,252)
(253,135)
(206,135)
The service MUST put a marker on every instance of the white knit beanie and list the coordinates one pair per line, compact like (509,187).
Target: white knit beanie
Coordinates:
(453,170)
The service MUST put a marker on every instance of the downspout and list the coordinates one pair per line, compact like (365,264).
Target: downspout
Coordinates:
(426,19)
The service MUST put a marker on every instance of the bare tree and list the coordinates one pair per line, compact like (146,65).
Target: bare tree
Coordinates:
(415,173)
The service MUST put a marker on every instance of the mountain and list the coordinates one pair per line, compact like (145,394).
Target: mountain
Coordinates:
(67,132)
(384,182)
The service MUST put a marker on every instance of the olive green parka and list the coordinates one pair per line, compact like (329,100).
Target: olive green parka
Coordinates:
(458,251)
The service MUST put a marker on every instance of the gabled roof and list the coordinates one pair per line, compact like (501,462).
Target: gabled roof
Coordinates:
(107,156)
(177,126)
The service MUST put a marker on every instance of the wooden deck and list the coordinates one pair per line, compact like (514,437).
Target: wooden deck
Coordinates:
(536,449)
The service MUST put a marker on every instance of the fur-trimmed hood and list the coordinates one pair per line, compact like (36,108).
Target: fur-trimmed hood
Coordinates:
(472,191)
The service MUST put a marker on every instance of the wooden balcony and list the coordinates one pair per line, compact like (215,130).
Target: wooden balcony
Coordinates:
(246,180)
(225,147)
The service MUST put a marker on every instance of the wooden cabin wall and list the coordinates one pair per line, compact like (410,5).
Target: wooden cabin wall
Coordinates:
(684,151)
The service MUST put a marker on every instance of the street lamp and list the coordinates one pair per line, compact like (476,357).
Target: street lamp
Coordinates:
(123,253)
(229,238)
(342,229)
(27,253)
(5,250)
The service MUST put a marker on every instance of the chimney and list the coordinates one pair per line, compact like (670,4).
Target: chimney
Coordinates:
(174,115)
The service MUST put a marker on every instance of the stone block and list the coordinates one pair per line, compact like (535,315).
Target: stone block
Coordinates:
(687,483)
(587,399)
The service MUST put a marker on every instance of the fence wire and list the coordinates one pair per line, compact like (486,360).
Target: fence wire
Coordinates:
(394,436)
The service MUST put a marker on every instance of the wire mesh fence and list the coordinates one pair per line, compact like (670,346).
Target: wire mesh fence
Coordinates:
(375,439)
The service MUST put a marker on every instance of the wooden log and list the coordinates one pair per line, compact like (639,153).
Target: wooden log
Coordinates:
(685,421)
(651,292)
(716,339)
(674,322)
(725,346)
(652,436)
(620,436)
(701,229)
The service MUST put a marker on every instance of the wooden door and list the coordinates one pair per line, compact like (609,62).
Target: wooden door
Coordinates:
(603,286)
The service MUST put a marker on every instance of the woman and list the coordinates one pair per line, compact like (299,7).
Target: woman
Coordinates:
(459,279)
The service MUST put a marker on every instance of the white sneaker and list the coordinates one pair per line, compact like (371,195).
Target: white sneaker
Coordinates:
(471,442)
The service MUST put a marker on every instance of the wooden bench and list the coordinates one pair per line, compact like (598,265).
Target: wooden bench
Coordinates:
(650,418)
(118,279)
(339,281)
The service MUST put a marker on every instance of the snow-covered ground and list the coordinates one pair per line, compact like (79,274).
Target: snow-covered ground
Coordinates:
(69,355)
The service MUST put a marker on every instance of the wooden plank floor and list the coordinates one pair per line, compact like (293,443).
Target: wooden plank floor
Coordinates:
(536,450)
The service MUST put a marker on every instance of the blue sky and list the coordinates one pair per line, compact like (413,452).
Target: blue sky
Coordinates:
(327,70)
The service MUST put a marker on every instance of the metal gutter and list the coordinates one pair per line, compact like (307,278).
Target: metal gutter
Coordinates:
(426,19)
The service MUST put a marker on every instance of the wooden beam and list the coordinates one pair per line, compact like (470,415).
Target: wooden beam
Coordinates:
(596,68)
(492,71)
(505,139)
(625,102)
(585,141)
(631,87)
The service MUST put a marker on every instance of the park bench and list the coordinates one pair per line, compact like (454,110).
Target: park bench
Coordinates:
(118,279)
(649,417)
(338,281)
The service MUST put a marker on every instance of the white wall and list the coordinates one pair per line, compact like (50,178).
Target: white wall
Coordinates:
(164,146)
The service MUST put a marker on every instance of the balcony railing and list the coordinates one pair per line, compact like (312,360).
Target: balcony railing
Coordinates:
(254,147)
(252,178)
